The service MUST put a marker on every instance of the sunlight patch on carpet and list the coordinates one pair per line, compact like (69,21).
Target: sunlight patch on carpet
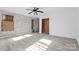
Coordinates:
(41,45)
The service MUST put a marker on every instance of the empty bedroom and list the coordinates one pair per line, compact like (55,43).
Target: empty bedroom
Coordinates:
(39,29)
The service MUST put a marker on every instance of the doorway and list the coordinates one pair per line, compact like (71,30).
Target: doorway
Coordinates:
(35,25)
(45,25)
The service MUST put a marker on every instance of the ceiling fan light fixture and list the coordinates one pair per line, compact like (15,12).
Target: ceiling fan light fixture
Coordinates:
(35,11)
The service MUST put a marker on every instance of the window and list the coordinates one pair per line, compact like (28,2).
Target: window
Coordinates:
(7,23)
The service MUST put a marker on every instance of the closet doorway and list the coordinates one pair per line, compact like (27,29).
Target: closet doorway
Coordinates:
(45,25)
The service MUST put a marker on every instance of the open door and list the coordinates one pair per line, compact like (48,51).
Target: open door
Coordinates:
(45,25)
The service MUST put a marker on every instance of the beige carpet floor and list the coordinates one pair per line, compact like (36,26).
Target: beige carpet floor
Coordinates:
(38,42)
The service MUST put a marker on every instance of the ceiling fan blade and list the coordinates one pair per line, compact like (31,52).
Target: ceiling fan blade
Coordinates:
(30,12)
(40,11)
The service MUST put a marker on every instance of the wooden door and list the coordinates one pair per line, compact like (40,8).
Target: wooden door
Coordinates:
(45,25)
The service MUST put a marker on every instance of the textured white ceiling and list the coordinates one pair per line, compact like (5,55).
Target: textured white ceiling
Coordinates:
(21,10)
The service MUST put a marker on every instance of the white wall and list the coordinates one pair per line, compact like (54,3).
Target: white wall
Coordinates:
(22,25)
(62,21)
(77,23)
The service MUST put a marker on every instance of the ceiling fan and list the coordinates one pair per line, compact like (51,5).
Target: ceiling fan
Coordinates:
(35,11)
